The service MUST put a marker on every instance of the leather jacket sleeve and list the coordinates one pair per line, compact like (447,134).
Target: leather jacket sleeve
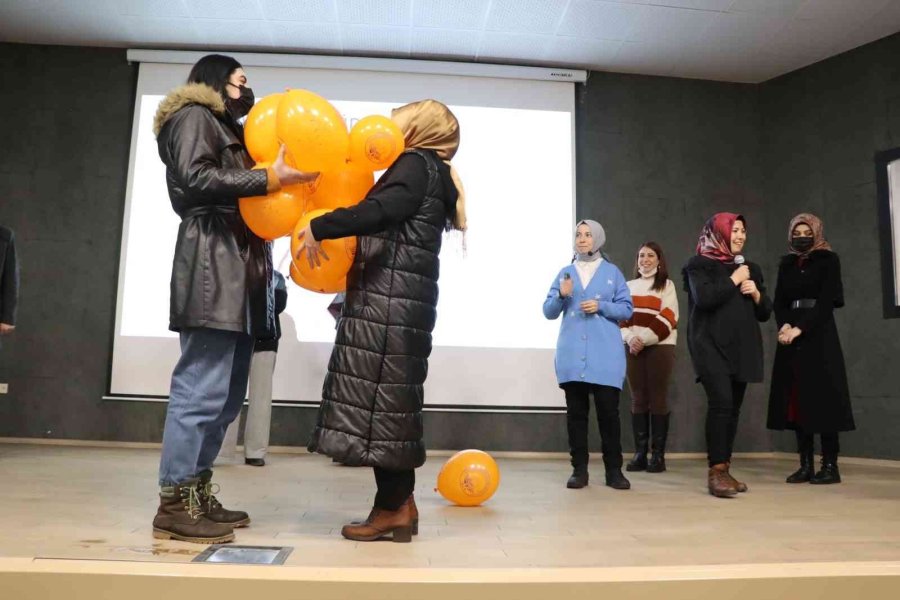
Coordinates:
(194,150)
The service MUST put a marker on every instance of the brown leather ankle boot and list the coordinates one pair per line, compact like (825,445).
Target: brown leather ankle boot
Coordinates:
(398,523)
(213,509)
(740,486)
(411,501)
(180,517)
(720,484)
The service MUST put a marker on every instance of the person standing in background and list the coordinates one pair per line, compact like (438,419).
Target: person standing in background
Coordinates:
(9,281)
(809,391)
(592,297)
(726,303)
(650,337)
(258,421)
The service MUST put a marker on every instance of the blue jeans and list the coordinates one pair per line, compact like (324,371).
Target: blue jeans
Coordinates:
(208,388)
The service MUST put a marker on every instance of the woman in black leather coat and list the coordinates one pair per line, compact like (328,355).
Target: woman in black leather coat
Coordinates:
(220,297)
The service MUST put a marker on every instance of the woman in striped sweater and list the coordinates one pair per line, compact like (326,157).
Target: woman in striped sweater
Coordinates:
(650,337)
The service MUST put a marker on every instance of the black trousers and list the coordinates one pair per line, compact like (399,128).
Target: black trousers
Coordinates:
(606,403)
(831,445)
(394,487)
(724,398)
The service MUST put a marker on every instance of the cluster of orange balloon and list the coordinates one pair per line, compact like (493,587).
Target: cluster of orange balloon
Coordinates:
(316,138)
(469,478)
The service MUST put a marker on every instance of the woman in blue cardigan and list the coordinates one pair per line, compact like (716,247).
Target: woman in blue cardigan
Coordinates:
(592,297)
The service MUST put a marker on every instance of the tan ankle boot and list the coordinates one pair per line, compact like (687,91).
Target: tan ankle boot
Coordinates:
(411,502)
(720,484)
(380,523)
(180,517)
(213,509)
(740,486)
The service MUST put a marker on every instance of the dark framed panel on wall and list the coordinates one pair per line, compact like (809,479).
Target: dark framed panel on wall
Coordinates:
(887,179)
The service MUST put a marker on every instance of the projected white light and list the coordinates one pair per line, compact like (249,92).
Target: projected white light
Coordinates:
(515,159)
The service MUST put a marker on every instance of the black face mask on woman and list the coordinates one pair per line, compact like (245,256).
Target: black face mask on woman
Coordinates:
(239,107)
(801,244)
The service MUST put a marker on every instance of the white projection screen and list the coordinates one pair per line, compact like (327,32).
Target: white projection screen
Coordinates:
(493,349)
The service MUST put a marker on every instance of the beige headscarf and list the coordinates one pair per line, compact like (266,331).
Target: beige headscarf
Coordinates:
(818,231)
(429,125)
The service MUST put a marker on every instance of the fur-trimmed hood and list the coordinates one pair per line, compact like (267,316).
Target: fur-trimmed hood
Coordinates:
(191,93)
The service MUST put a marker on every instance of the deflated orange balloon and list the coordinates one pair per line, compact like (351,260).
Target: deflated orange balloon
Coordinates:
(375,143)
(330,277)
(469,478)
(313,131)
(260,134)
(340,189)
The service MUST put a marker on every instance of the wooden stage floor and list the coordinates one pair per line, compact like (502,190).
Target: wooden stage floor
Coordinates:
(87,503)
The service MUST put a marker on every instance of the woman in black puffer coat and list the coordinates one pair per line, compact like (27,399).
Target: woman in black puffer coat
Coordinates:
(371,412)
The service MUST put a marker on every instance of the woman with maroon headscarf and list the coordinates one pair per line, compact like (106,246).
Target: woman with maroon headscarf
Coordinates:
(809,381)
(726,302)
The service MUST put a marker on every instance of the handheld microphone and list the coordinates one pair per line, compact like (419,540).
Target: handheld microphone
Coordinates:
(739,259)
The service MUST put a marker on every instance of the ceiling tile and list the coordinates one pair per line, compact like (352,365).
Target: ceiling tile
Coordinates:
(459,14)
(671,24)
(643,57)
(227,10)
(247,34)
(323,37)
(518,47)
(583,52)
(374,12)
(431,43)
(846,10)
(710,5)
(147,8)
(780,8)
(156,31)
(607,20)
(381,41)
(309,11)
(525,16)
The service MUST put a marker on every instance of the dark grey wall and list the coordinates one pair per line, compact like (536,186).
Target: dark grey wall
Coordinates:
(656,157)
(822,126)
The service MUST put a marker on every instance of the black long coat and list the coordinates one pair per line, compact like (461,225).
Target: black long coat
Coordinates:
(221,271)
(723,325)
(9,276)
(813,365)
(371,411)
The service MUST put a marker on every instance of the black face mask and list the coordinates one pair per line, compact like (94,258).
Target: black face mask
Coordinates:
(239,107)
(801,244)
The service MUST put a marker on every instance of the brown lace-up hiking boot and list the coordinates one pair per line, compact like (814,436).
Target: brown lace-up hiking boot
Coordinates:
(213,509)
(380,523)
(180,517)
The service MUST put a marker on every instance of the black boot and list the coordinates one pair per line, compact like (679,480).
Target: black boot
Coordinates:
(829,472)
(579,478)
(640,425)
(660,428)
(805,449)
(616,480)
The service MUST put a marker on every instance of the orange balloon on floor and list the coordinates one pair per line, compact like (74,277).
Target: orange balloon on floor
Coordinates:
(469,478)
(375,143)
(341,188)
(330,277)
(260,134)
(313,131)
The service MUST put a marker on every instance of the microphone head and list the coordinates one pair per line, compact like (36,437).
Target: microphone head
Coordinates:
(739,259)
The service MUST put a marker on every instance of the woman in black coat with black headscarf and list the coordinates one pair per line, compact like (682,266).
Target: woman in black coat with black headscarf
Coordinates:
(809,391)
